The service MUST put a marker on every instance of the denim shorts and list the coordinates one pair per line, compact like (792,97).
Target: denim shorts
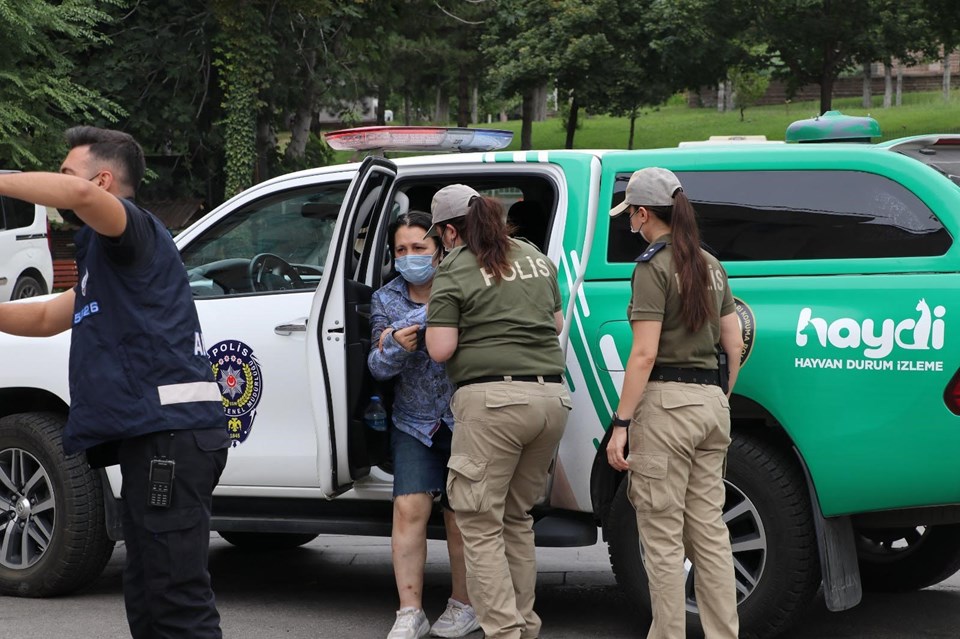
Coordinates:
(418,468)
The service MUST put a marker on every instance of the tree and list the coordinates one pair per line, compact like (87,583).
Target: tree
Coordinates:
(815,40)
(520,53)
(244,55)
(277,60)
(900,31)
(171,94)
(582,51)
(38,97)
(239,74)
(462,32)
(639,79)
(748,87)
(697,41)
(664,47)
(943,18)
(426,55)
(317,51)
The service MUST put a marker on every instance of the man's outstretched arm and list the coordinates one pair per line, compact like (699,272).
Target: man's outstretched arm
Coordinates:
(102,211)
(38,319)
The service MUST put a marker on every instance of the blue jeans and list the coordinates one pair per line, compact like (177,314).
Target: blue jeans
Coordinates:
(418,468)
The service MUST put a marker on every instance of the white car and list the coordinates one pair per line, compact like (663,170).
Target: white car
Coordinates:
(26,266)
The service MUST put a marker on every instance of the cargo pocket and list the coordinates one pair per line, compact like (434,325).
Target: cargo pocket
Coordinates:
(176,553)
(672,399)
(649,492)
(215,442)
(501,398)
(164,520)
(209,439)
(467,484)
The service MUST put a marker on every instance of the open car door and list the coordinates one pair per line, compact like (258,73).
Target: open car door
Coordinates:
(341,317)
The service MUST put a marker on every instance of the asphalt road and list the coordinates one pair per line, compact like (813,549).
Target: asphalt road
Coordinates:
(342,587)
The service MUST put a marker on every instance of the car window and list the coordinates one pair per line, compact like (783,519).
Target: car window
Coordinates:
(371,203)
(529,201)
(16,213)
(507,195)
(799,215)
(275,244)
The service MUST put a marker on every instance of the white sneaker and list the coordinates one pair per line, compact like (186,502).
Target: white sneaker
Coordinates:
(457,620)
(411,623)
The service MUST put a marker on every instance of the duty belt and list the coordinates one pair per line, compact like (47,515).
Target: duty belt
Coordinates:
(545,379)
(686,375)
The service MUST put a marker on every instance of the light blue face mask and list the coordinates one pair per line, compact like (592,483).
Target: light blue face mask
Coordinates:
(416,269)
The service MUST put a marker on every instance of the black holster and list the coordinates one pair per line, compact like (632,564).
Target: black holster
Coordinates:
(724,371)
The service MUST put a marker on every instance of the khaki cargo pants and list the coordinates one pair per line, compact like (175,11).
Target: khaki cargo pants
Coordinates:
(504,439)
(678,444)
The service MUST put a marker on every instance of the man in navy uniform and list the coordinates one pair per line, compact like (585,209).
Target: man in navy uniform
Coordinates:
(141,387)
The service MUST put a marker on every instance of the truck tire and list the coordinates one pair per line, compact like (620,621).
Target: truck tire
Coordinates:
(266,541)
(27,286)
(907,559)
(53,538)
(767,511)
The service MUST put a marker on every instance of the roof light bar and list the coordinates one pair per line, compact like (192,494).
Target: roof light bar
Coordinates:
(834,126)
(418,138)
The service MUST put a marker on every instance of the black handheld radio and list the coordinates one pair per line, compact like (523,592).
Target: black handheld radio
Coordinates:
(160,489)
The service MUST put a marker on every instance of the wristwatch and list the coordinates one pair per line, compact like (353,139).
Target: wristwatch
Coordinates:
(616,420)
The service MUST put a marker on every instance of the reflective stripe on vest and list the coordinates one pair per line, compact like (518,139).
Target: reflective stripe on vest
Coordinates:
(189,392)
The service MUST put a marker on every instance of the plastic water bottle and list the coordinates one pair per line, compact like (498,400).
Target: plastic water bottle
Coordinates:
(375,416)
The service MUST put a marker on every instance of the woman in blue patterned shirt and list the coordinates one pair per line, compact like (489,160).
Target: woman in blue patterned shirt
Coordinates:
(421,433)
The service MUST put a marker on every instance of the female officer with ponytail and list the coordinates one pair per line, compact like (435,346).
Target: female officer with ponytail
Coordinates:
(494,316)
(674,410)
(420,438)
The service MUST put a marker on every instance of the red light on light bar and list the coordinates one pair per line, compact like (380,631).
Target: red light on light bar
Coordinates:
(418,138)
(951,394)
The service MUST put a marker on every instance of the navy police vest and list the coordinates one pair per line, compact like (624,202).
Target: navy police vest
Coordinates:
(137,361)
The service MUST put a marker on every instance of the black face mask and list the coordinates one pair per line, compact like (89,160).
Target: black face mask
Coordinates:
(70,217)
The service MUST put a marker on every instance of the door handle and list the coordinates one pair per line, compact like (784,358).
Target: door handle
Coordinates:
(291,327)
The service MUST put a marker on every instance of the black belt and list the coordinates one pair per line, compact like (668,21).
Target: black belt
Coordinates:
(685,375)
(547,379)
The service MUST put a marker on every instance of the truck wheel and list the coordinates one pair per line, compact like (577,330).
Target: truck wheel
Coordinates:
(267,541)
(53,538)
(27,286)
(767,511)
(907,559)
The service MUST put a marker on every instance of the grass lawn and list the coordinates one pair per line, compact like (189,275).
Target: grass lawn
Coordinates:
(666,126)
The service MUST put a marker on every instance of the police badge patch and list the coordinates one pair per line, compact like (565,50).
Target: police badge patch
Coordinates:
(237,371)
(748,325)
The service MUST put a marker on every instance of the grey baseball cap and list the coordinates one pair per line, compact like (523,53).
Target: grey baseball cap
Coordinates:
(449,203)
(651,186)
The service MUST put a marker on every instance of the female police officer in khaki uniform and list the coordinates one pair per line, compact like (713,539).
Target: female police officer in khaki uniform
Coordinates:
(681,308)
(493,316)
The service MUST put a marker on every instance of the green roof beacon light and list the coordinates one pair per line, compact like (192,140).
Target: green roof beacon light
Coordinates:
(834,126)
